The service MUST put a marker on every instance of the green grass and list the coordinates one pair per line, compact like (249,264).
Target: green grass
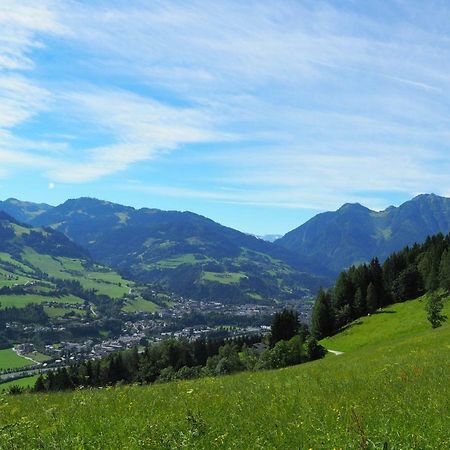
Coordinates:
(398,321)
(39,357)
(140,305)
(7,258)
(105,282)
(394,394)
(20,301)
(188,258)
(224,278)
(9,360)
(26,382)
(10,279)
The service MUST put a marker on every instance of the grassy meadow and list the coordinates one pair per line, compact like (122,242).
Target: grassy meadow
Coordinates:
(10,360)
(26,382)
(386,396)
(398,321)
(140,305)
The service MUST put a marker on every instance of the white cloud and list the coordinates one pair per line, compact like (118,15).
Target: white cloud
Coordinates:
(142,128)
(333,101)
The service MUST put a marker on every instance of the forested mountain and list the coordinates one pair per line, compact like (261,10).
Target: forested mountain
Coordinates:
(183,251)
(16,238)
(354,234)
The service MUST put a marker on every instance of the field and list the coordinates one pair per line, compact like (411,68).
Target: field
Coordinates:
(139,304)
(19,301)
(398,321)
(14,272)
(38,357)
(105,282)
(386,396)
(59,312)
(188,258)
(9,360)
(224,278)
(21,382)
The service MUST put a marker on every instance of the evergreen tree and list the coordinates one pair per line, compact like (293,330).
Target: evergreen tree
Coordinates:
(444,270)
(372,298)
(344,291)
(39,386)
(408,285)
(376,278)
(360,302)
(285,325)
(322,320)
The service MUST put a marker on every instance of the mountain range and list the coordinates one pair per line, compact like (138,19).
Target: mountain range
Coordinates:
(182,251)
(197,257)
(354,234)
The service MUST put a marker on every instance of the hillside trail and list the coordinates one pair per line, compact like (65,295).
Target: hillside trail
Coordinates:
(335,352)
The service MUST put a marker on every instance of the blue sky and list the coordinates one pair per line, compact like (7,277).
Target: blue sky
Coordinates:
(256,114)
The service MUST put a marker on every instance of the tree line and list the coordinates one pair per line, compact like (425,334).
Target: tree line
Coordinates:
(289,343)
(405,275)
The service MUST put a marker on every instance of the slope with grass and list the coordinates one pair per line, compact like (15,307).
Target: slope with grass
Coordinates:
(394,323)
(31,257)
(392,394)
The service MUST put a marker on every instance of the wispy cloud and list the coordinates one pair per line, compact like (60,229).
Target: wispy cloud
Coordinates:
(142,128)
(311,103)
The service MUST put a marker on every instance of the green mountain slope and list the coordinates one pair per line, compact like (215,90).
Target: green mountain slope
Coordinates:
(31,257)
(355,234)
(184,252)
(395,394)
(391,324)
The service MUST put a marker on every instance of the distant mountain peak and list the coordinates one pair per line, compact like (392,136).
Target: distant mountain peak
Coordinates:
(354,234)
(427,197)
(354,207)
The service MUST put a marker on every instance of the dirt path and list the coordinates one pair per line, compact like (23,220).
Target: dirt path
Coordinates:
(23,356)
(335,352)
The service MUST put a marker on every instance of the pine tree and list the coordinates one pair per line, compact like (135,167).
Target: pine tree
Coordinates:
(376,277)
(344,291)
(322,320)
(285,325)
(360,302)
(39,386)
(372,298)
(444,270)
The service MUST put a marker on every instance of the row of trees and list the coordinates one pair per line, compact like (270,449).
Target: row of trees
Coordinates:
(174,359)
(363,289)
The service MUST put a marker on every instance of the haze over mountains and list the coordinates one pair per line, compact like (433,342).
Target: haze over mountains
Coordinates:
(197,257)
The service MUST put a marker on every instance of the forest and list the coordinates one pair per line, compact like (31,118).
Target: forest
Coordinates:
(363,289)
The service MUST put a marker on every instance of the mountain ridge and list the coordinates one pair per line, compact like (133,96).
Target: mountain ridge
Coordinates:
(183,251)
(354,233)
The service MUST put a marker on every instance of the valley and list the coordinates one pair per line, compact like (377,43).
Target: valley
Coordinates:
(391,394)
(137,342)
